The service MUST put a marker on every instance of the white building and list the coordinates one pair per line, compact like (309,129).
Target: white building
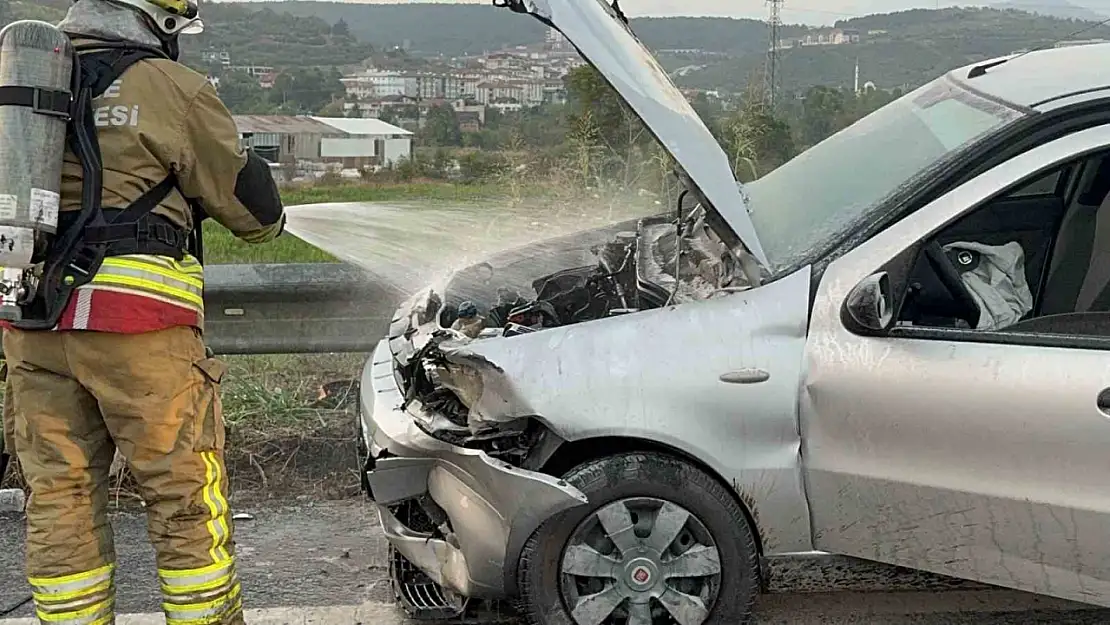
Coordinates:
(379,84)
(439,87)
(364,142)
(353,143)
(522,92)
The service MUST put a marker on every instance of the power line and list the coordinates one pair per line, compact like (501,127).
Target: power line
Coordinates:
(771,74)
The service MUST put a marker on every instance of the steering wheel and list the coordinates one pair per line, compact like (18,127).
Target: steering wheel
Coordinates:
(950,277)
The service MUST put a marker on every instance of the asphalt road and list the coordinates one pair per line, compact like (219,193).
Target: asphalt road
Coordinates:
(324,563)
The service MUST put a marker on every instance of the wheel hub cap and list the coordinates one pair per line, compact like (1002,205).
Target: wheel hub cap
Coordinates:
(640,561)
(641,574)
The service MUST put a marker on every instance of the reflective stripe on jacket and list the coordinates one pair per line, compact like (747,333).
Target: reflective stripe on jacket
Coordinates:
(139,293)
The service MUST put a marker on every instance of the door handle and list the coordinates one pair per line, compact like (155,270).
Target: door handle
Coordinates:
(745,376)
(1103,401)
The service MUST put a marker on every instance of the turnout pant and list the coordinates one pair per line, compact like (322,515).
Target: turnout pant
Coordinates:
(75,397)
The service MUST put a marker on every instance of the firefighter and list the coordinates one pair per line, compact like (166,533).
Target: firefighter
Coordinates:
(123,364)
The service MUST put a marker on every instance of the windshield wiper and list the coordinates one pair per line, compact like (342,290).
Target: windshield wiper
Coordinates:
(980,70)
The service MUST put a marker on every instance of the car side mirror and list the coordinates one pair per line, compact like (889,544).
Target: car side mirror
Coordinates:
(870,305)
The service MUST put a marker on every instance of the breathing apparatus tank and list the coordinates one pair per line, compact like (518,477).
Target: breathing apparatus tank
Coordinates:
(36,82)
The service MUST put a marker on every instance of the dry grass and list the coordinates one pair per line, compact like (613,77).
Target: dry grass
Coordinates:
(283,439)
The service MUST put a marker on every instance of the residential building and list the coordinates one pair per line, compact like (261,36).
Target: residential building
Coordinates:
(555,41)
(254,71)
(379,84)
(490,92)
(439,86)
(503,61)
(468,107)
(470,122)
(554,92)
(532,91)
(834,37)
(216,57)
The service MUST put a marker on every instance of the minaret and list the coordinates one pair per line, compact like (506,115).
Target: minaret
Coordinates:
(857,75)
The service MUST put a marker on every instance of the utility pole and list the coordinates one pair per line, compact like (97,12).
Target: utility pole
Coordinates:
(771,76)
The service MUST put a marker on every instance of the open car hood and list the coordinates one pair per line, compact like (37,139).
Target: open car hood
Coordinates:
(604,40)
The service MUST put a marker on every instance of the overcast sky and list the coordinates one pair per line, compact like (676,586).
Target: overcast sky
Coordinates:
(794,11)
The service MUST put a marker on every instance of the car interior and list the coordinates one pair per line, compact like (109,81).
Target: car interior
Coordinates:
(970,275)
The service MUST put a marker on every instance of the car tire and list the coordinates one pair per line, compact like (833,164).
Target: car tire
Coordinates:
(633,477)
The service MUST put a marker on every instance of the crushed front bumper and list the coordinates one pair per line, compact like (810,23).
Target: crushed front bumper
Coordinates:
(490,507)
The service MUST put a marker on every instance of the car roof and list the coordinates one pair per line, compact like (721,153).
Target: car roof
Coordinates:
(1039,78)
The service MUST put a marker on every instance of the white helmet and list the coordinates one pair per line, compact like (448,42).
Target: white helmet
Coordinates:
(170,17)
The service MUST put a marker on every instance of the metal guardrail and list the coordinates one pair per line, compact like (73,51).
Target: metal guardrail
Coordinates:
(289,308)
(296,308)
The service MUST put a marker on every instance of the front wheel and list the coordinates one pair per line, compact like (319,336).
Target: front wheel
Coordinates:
(661,543)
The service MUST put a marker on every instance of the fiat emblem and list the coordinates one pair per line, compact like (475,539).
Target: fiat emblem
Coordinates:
(641,575)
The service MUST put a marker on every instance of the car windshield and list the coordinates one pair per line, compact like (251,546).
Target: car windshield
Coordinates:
(833,186)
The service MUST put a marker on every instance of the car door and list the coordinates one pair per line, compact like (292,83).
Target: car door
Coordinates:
(960,455)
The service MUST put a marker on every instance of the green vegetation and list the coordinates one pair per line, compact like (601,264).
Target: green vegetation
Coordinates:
(221,247)
(916,46)
(456,30)
(431,29)
(263,36)
(295,91)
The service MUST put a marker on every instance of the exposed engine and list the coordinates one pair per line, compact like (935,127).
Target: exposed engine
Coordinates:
(616,272)
(632,272)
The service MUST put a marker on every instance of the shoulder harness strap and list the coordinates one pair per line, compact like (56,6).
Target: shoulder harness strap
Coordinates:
(127,230)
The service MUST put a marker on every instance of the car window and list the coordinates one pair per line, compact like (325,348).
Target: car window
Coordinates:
(1026,262)
(830,188)
(1045,185)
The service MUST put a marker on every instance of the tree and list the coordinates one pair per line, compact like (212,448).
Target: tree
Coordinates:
(822,114)
(587,90)
(388,116)
(756,141)
(709,110)
(441,126)
(333,109)
(307,91)
(242,94)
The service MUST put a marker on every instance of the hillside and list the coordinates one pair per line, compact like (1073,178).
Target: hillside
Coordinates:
(268,37)
(252,35)
(456,30)
(1053,8)
(904,48)
(915,47)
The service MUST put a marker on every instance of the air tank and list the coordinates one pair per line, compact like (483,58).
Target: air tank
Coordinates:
(32,145)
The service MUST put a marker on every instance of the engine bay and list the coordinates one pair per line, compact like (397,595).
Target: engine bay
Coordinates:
(640,265)
(659,264)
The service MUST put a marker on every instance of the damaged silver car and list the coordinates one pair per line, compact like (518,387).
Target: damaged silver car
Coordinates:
(893,347)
